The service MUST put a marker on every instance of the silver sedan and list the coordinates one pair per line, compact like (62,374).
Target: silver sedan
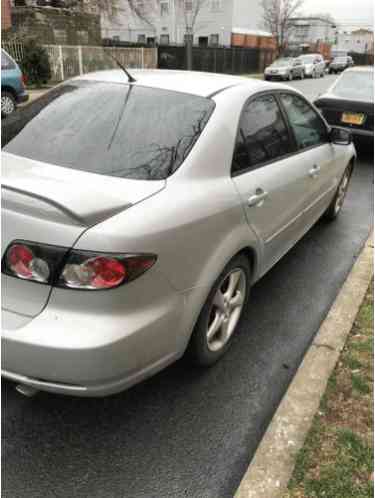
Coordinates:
(138,214)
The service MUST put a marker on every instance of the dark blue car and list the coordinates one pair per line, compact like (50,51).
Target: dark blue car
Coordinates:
(12,85)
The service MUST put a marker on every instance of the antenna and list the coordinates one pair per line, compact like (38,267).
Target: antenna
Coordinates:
(130,77)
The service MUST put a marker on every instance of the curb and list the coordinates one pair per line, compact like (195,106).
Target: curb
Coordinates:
(272,465)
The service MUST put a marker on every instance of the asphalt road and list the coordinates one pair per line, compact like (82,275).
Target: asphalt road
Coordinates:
(190,433)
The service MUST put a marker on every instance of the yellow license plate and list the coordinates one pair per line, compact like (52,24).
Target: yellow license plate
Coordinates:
(352,118)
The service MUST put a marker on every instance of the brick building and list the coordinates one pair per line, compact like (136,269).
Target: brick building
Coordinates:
(6,19)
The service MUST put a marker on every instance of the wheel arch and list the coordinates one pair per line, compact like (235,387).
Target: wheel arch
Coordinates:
(9,89)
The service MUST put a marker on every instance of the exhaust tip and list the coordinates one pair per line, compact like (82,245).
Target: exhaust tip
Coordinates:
(25,390)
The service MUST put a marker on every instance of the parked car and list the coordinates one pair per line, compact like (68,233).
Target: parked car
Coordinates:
(314,65)
(12,85)
(287,68)
(349,103)
(127,244)
(339,64)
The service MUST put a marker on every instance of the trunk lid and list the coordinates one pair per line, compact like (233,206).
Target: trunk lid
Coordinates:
(55,205)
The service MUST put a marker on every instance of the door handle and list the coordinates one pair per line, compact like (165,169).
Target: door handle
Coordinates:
(258,198)
(314,171)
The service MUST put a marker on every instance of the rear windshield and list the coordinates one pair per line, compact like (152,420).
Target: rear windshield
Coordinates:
(355,85)
(109,128)
(307,58)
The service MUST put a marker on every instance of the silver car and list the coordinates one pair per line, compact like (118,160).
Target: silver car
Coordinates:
(314,65)
(285,69)
(138,214)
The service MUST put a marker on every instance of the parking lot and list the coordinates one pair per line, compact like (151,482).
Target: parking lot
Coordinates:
(191,433)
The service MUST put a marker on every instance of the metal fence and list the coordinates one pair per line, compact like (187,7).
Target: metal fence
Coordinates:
(234,60)
(67,61)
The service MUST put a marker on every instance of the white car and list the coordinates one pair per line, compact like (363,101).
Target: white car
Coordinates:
(138,214)
(314,64)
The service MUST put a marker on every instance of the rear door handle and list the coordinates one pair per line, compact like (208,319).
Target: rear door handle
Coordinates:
(258,198)
(314,171)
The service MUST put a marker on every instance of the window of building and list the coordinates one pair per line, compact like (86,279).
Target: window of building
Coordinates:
(308,127)
(203,41)
(141,38)
(164,39)
(262,136)
(60,36)
(216,5)
(214,40)
(164,9)
(150,40)
(82,37)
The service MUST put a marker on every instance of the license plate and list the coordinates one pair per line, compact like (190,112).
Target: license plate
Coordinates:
(353,118)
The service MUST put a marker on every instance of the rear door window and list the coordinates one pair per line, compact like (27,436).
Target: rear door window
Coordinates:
(262,136)
(107,128)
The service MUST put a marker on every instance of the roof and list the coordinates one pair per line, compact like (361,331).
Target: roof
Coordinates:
(193,82)
(309,19)
(254,32)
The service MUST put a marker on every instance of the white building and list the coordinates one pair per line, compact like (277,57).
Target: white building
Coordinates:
(166,21)
(308,30)
(360,41)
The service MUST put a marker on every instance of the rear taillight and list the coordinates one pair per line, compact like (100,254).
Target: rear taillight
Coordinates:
(24,79)
(66,268)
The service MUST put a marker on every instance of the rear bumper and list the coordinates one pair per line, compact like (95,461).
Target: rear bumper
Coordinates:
(22,97)
(91,354)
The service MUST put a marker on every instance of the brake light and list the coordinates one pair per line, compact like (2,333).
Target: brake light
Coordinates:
(66,268)
(24,79)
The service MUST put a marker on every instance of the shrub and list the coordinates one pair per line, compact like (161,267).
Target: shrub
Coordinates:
(35,63)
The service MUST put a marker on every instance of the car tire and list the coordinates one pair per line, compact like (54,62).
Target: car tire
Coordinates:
(290,77)
(337,202)
(218,319)
(302,75)
(8,103)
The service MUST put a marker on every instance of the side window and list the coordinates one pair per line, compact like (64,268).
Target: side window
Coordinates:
(309,129)
(262,136)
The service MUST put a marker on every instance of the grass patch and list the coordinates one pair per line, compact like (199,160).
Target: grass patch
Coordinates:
(337,458)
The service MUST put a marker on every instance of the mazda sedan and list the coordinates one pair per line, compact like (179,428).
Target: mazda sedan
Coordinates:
(137,214)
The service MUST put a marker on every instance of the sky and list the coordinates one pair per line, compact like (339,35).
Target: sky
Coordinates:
(347,13)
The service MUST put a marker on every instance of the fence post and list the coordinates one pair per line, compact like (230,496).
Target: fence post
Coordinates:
(61,61)
(80,65)
(143,57)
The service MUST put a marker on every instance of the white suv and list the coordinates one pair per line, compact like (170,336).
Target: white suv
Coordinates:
(314,65)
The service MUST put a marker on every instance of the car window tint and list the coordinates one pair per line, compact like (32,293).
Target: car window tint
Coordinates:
(308,127)
(6,62)
(109,128)
(262,136)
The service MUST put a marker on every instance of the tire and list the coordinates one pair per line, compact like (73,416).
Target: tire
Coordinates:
(337,202)
(290,77)
(8,103)
(302,75)
(202,350)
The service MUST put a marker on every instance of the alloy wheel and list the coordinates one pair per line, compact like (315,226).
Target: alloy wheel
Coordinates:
(341,192)
(226,309)
(7,105)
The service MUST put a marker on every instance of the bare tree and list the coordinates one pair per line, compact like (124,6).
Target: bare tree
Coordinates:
(276,19)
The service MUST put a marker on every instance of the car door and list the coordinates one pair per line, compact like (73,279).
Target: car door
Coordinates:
(271,180)
(315,150)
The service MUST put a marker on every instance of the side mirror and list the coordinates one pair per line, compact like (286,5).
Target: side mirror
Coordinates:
(339,136)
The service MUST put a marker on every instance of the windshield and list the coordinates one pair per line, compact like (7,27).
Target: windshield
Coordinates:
(356,85)
(307,59)
(340,60)
(108,128)
(282,62)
